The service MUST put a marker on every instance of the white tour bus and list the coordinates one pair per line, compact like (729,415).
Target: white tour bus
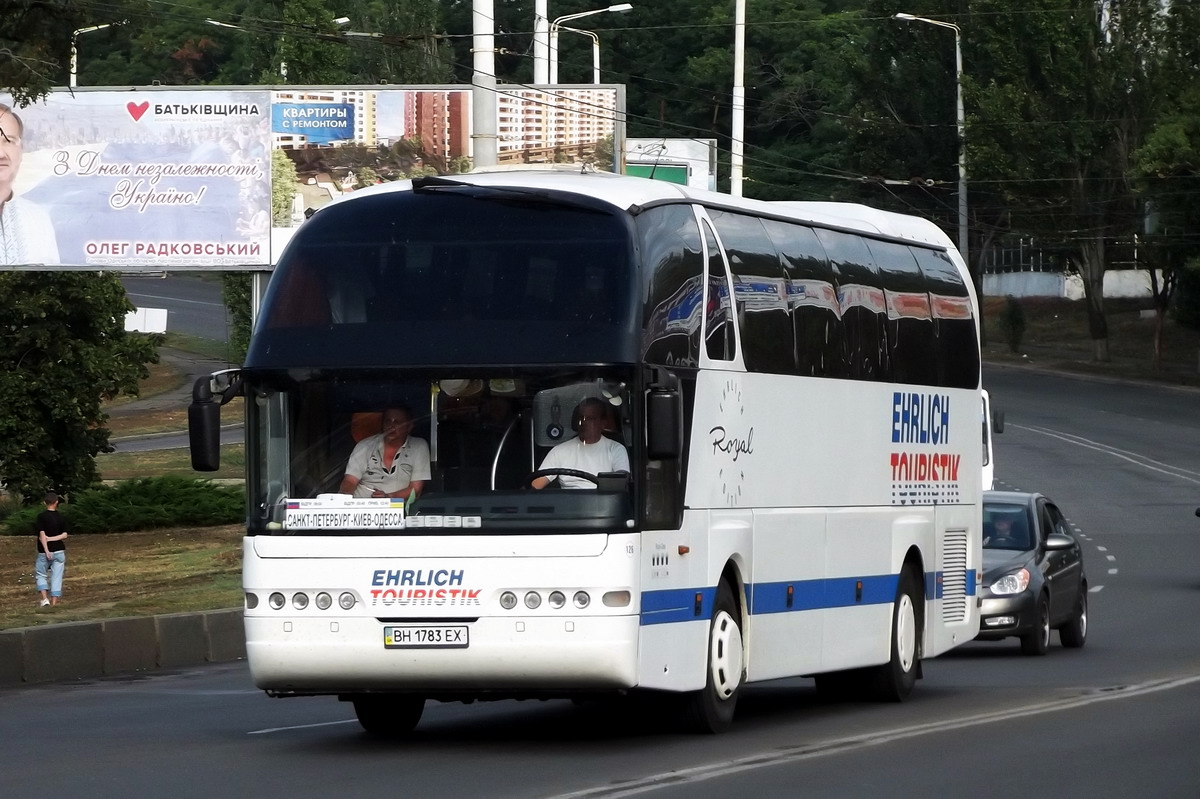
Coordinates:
(796,385)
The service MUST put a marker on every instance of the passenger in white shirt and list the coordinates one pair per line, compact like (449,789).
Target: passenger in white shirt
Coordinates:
(388,464)
(590,452)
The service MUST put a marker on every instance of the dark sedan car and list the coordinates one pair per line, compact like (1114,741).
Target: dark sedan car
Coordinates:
(1033,576)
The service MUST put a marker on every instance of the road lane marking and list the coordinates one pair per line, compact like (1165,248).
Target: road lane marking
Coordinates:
(1095,589)
(1112,571)
(301,727)
(176,299)
(795,754)
(1135,458)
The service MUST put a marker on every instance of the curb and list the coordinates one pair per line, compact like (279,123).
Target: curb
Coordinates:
(89,649)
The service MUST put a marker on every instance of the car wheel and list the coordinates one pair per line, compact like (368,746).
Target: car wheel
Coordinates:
(1073,634)
(710,710)
(894,680)
(1037,640)
(388,716)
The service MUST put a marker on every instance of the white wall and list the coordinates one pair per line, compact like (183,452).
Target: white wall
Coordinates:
(1117,283)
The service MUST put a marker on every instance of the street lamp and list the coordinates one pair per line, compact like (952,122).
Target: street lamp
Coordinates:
(595,52)
(962,128)
(75,49)
(554,26)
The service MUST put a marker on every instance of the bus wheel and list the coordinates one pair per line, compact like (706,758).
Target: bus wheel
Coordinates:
(388,715)
(893,681)
(711,710)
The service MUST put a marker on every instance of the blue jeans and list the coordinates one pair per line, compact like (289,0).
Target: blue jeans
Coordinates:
(55,565)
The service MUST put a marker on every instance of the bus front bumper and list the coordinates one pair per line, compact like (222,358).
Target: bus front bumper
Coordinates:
(551,655)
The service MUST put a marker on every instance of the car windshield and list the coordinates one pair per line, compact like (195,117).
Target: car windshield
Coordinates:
(1006,526)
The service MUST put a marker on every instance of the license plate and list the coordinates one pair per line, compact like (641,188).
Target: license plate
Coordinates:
(425,636)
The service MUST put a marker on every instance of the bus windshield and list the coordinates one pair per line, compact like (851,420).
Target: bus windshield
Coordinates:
(477,440)
(453,277)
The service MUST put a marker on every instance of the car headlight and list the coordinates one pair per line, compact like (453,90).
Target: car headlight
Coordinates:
(1013,583)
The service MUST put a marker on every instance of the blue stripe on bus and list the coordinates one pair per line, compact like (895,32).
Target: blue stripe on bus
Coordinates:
(679,604)
(837,592)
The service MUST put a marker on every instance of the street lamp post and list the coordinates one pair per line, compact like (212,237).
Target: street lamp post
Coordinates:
(554,26)
(75,48)
(595,50)
(962,127)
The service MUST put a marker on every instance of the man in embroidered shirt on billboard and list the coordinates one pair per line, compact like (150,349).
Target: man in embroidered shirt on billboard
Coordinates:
(590,452)
(388,464)
(26,232)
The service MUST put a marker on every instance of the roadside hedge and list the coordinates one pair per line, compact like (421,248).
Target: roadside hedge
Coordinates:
(142,504)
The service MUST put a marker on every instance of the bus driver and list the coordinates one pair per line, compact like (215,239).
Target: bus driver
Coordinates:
(388,464)
(589,452)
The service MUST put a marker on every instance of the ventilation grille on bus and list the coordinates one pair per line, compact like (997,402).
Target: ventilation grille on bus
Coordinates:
(954,577)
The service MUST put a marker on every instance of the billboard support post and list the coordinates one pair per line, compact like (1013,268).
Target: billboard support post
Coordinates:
(485,144)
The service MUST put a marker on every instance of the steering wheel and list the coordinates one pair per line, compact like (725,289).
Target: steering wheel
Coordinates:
(555,472)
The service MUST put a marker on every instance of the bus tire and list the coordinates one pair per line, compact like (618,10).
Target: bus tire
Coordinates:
(388,715)
(710,710)
(894,681)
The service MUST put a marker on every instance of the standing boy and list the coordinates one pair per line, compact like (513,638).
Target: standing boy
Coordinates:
(51,551)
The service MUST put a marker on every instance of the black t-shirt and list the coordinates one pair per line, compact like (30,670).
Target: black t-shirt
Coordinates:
(53,523)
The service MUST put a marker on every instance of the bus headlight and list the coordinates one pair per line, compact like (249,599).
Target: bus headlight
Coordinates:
(615,599)
(324,601)
(251,601)
(346,600)
(581,599)
(533,599)
(508,600)
(556,599)
(299,601)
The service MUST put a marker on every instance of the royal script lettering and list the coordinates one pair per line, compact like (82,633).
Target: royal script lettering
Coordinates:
(730,445)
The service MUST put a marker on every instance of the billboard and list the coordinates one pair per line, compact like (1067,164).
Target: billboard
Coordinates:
(163,179)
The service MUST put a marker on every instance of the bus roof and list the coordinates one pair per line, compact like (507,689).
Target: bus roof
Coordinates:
(629,193)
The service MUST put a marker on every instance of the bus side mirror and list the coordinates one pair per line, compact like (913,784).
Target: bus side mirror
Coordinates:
(997,421)
(664,421)
(204,428)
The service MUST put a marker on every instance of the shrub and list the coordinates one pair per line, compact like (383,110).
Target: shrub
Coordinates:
(1012,323)
(1187,295)
(143,504)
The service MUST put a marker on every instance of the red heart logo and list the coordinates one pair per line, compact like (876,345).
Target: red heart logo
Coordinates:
(136,110)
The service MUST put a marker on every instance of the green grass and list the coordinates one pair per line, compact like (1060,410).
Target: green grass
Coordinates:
(209,348)
(108,576)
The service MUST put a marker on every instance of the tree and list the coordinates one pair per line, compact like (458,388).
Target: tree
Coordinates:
(66,351)
(1167,168)
(1062,95)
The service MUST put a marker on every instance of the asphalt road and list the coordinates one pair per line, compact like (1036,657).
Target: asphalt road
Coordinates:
(232,434)
(1117,718)
(194,304)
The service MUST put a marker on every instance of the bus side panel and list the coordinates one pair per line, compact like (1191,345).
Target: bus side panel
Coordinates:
(864,573)
(953,615)
(672,635)
(786,624)
(673,653)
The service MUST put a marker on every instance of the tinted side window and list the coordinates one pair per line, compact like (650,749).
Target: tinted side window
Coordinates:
(863,309)
(760,291)
(673,264)
(818,341)
(718,316)
(909,322)
(953,320)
